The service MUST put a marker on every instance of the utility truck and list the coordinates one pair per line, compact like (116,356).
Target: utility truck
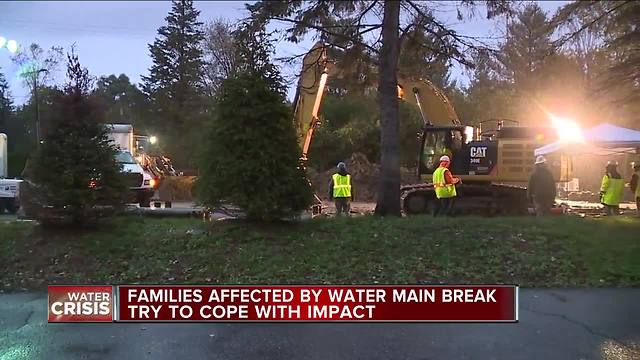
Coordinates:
(9,188)
(141,183)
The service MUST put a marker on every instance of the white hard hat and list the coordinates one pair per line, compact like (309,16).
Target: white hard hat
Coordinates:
(445,158)
(540,160)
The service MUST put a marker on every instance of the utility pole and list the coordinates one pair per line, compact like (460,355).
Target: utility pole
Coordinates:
(37,103)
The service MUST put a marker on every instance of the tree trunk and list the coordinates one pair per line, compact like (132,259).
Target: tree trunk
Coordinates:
(389,190)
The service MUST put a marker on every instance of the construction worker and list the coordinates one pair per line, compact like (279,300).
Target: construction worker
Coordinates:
(611,189)
(445,187)
(634,185)
(542,187)
(341,190)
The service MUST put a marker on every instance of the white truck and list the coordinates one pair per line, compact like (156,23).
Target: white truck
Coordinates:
(9,188)
(141,183)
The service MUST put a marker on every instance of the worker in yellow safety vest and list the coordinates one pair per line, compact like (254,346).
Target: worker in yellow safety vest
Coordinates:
(445,188)
(634,185)
(341,190)
(611,189)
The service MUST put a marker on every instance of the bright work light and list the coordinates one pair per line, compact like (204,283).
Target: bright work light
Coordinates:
(12,46)
(568,130)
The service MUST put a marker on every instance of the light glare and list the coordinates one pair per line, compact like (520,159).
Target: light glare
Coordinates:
(469,132)
(12,46)
(3,41)
(568,129)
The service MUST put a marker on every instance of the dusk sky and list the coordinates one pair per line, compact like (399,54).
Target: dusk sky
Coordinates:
(113,37)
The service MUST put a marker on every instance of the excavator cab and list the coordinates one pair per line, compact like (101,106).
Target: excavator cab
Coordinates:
(480,155)
(444,140)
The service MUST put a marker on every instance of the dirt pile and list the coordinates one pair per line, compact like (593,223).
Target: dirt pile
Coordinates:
(583,196)
(365,178)
(176,188)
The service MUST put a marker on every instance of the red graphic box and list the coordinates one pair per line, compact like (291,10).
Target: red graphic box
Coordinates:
(81,303)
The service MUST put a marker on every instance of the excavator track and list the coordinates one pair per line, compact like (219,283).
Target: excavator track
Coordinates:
(481,199)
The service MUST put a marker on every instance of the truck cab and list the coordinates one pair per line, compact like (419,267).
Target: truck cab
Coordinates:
(142,184)
(9,188)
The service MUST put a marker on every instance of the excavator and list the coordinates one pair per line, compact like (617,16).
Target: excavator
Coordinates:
(493,159)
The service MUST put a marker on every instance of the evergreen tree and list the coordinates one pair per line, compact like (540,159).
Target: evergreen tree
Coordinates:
(122,101)
(418,60)
(175,81)
(251,156)
(527,47)
(515,82)
(602,37)
(6,104)
(14,130)
(624,72)
(75,165)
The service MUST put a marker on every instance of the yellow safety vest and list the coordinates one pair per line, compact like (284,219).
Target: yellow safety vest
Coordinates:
(612,189)
(341,186)
(443,190)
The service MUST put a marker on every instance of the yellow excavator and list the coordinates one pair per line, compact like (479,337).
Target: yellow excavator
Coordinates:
(494,159)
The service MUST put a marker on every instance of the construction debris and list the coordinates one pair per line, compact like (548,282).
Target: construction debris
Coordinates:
(592,209)
(589,196)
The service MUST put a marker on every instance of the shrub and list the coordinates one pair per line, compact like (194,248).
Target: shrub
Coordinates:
(74,167)
(251,156)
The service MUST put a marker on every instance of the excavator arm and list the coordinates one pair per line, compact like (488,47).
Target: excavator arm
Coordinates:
(434,106)
(311,86)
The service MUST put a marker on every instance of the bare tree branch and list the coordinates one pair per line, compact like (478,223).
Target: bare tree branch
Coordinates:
(325,31)
(362,14)
(444,33)
(567,37)
(403,33)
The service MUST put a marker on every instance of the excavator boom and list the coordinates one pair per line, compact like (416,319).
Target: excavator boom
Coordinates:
(309,93)
(434,106)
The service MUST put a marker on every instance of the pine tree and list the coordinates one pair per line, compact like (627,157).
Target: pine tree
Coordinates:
(122,101)
(6,104)
(528,46)
(251,156)
(175,81)
(75,165)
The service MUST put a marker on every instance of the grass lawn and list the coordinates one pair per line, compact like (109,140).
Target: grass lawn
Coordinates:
(558,251)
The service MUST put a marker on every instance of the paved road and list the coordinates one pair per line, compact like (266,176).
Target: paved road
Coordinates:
(555,324)
(4,217)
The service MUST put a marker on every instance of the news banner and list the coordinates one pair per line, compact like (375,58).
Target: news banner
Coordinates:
(280,303)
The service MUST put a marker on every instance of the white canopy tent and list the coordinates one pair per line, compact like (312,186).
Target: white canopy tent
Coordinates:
(604,139)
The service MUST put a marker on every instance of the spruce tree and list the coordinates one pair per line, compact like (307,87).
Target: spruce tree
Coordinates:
(175,81)
(6,104)
(251,157)
(75,165)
